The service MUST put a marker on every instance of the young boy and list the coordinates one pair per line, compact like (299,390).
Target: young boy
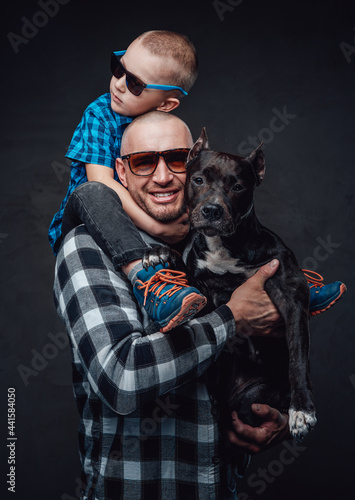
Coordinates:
(156,70)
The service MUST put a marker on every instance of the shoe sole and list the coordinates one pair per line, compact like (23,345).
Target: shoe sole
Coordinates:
(320,311)
(190,306)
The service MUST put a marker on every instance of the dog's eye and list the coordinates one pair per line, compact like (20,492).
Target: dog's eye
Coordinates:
(237,187)
(198,180)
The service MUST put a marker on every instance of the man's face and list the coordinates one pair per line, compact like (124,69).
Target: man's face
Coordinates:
(151,69)
(161,195)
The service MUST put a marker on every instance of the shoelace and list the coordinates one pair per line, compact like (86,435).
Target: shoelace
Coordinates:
(161,278)
(316,280)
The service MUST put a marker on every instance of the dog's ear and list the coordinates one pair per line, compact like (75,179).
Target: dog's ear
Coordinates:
(200,144)
(257,160)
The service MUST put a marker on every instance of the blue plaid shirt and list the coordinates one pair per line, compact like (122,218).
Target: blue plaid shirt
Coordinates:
(97,140)
(148,429)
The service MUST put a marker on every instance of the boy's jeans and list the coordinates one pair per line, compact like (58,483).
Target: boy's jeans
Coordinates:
(100,209)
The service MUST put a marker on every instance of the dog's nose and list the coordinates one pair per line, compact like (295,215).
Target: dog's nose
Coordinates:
(212,212)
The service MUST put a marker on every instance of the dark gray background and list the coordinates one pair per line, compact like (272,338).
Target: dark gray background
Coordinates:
(262,56)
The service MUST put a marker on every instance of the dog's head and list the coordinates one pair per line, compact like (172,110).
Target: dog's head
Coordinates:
(220,187)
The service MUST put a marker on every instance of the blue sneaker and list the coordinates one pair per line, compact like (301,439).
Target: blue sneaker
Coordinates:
(322,296)
(166,296)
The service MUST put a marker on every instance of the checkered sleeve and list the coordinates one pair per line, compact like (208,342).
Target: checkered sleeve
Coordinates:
(124,366)
(94,140)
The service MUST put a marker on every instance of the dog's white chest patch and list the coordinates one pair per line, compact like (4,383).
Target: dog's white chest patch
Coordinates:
(218,259)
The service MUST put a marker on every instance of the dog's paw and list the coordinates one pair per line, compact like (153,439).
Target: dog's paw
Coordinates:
(301,423)
(157,255)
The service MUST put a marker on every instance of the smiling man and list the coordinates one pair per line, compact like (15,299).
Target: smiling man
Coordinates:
(161,194)
(148,428)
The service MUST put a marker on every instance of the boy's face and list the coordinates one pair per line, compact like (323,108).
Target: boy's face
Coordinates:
(150,69)
(161,195)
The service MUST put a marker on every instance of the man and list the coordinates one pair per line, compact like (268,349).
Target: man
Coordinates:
(148,428)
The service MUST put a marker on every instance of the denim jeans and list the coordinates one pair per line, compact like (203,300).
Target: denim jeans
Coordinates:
(229,489)
(100,209)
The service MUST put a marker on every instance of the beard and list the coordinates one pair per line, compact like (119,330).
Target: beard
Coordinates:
(163,214)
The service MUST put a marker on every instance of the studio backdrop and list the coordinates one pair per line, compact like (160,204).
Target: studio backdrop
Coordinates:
(281,73)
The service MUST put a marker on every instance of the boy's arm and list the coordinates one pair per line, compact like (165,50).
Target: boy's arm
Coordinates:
(171,232)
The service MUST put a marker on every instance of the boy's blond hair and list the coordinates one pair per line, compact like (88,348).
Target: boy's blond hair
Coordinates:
(180,49)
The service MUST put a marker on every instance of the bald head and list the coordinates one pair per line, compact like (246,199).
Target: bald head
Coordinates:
(160,194)
(163,123)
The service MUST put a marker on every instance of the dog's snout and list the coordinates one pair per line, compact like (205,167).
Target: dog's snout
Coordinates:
(212,212)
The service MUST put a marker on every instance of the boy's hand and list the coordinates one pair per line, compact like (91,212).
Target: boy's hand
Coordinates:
(271,431)
(170,232)
(175,231)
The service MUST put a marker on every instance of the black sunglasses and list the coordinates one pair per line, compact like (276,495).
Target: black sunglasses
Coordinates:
(145,163)
(134,84)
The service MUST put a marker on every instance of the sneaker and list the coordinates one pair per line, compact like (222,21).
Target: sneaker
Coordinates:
(166,296)
(322,296)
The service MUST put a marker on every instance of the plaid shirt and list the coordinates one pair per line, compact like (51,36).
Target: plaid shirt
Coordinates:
(147,426)
(97,140)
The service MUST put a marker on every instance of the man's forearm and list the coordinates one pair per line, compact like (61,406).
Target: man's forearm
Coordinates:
(124,366)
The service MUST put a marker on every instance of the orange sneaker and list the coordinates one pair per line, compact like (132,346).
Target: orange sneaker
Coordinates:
(322,296)
(166,296)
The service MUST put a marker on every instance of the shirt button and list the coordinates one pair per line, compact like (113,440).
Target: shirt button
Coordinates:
(216,459)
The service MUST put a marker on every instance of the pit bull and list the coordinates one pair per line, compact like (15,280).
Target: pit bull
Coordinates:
(228,245)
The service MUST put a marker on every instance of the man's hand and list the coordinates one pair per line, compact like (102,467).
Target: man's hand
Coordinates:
(253,311)
(272,431)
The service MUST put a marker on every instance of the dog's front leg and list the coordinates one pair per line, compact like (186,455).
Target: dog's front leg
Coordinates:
(162,254)
(302,417)
(291,299)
